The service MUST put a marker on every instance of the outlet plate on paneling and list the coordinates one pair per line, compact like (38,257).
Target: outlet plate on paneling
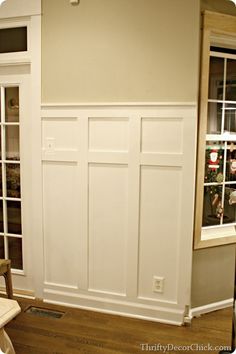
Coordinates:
(158,284)
(50,144)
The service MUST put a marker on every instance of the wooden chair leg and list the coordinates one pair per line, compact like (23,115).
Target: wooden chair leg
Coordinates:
(8,282)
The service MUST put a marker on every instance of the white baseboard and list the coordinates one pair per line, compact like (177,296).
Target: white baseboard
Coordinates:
(28,294)
(219,305)
(173,316)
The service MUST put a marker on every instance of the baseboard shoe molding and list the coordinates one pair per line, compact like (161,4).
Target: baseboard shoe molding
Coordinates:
(120,308)
(219,305)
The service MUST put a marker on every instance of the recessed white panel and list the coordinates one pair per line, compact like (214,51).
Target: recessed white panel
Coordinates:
(160,212)
(108,213)
(63,132)
(108,134)
(60,207)
(162,135)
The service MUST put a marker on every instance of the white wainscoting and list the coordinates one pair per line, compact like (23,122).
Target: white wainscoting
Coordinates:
(118,199)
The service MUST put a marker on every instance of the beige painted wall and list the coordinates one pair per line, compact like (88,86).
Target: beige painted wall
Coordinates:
(213,268)
(213,275)
(126,50)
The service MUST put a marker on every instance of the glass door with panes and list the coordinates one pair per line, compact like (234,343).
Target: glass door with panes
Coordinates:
(10,178)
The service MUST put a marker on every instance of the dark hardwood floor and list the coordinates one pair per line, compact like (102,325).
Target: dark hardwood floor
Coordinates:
(80,331)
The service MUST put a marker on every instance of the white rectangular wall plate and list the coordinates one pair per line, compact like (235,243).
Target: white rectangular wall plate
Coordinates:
(158,284)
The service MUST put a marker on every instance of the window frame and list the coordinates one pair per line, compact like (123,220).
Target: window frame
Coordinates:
(217,30)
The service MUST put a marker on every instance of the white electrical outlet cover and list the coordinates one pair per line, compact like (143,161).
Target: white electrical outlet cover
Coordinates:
(158,284)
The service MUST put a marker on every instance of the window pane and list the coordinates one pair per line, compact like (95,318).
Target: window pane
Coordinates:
(230,118)
(230,204)
(15,252)
(12,143)
(214,160)
(216,78)
(230,94)
(214,119)
(2,252)
(212,207)
(13,180)
(1,216)
(14,217)
(231,162)
(13,39)
(12,104)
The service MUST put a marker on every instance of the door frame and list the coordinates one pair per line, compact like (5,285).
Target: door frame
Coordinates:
(16,14)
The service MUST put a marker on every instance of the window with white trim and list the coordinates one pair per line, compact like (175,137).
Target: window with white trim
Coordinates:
(215,209)
(220,159)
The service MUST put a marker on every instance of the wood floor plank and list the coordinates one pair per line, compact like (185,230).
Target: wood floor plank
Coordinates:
(81,331)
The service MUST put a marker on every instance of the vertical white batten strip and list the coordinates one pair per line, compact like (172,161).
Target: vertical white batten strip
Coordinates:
(132,255)
(83,271)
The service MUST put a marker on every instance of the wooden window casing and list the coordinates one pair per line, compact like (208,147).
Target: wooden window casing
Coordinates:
(218,30)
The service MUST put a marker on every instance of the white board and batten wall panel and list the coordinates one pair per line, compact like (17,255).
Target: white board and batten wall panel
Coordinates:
(109,134)
(60,227)
(108,227)
(160,199)
(115,181)
(162,135)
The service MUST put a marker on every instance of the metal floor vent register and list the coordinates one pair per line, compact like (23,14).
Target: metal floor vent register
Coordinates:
(41,312)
